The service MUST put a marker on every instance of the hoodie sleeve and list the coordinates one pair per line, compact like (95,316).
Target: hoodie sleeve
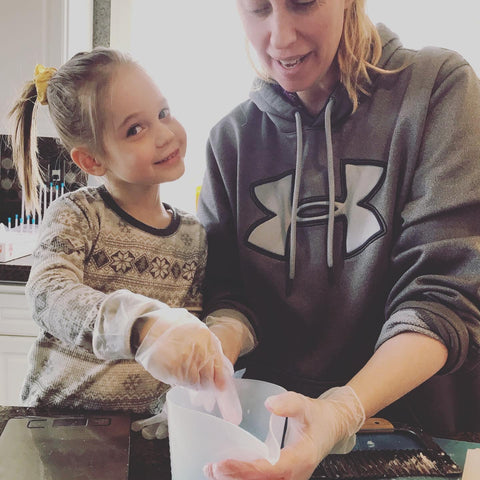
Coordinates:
(216,207)
(436,258)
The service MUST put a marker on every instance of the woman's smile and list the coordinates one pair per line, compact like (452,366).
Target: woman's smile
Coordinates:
(288,70)
(292,62)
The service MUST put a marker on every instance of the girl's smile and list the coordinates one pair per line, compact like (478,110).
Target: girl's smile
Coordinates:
(172,158)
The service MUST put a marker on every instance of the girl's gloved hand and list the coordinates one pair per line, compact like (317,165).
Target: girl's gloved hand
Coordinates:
(179,349)
(316,427)
(153,427)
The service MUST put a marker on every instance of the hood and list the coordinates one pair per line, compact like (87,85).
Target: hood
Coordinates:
(273,101)
(390,44)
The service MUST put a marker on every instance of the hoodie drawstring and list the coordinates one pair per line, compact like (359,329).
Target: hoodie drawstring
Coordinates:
(296,189)
(331,182)
(296,193)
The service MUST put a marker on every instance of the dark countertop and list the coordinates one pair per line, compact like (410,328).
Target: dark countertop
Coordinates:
(16,270)
(149,459)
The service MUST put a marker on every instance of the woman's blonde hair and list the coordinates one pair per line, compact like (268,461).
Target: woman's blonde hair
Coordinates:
(359,51)
(74,95)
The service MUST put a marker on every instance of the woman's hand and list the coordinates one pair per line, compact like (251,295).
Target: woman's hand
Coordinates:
(316,427)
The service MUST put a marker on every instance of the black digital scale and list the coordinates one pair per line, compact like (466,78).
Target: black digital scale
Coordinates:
(65,448)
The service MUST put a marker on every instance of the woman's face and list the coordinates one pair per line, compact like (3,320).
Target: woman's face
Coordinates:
(296,40)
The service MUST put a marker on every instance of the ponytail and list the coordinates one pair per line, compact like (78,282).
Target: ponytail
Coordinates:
(24,135)
(24,145)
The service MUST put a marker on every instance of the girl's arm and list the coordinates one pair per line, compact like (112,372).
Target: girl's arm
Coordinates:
(61,303)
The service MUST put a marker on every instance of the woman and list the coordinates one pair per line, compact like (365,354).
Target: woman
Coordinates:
(373,287)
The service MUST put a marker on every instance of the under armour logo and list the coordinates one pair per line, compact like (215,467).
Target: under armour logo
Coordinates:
(361,182)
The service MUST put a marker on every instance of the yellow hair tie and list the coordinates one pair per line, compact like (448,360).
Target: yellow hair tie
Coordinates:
(41,78)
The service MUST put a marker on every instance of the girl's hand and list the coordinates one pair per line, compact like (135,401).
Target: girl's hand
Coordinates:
(316,427)
(179,349)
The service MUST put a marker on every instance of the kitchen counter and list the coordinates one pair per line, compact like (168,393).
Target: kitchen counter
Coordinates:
(16,270)
(149,459)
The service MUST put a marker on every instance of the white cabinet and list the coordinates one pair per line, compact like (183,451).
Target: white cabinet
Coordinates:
(17,333)
(13,367)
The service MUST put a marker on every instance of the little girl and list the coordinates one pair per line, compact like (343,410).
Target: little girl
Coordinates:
(116,271)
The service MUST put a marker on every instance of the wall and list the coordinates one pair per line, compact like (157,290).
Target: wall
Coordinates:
(453,25)
(38,31)
(200,62)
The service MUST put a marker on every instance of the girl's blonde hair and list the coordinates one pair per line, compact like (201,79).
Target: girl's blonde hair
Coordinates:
(74,96)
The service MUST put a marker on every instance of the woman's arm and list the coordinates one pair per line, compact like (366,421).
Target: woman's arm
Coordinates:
(400,364)
(320,426)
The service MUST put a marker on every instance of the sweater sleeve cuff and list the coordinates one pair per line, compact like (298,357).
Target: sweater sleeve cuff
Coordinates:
(116,318)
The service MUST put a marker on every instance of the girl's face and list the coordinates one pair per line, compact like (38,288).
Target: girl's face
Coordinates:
(144,144)
(296,40)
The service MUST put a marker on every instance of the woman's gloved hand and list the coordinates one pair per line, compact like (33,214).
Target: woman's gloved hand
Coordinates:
(316,427)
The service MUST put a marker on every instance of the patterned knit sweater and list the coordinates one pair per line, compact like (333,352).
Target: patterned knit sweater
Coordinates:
(95,271)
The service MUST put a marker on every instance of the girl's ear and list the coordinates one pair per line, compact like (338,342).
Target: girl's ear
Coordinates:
(87,162)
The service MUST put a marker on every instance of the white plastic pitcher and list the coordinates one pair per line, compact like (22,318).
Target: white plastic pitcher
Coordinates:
(198,437)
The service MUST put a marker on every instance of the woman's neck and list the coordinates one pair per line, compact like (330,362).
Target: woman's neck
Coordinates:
(318,94)
(313,102)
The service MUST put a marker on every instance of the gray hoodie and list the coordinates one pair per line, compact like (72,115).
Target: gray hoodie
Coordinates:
(386,202)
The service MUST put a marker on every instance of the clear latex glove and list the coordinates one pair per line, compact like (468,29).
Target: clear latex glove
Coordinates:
(179,349)
(118,313)
(316,427)
(234,335)
(226,398)
(153,427)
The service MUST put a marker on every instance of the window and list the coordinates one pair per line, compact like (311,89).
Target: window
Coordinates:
(195,50)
